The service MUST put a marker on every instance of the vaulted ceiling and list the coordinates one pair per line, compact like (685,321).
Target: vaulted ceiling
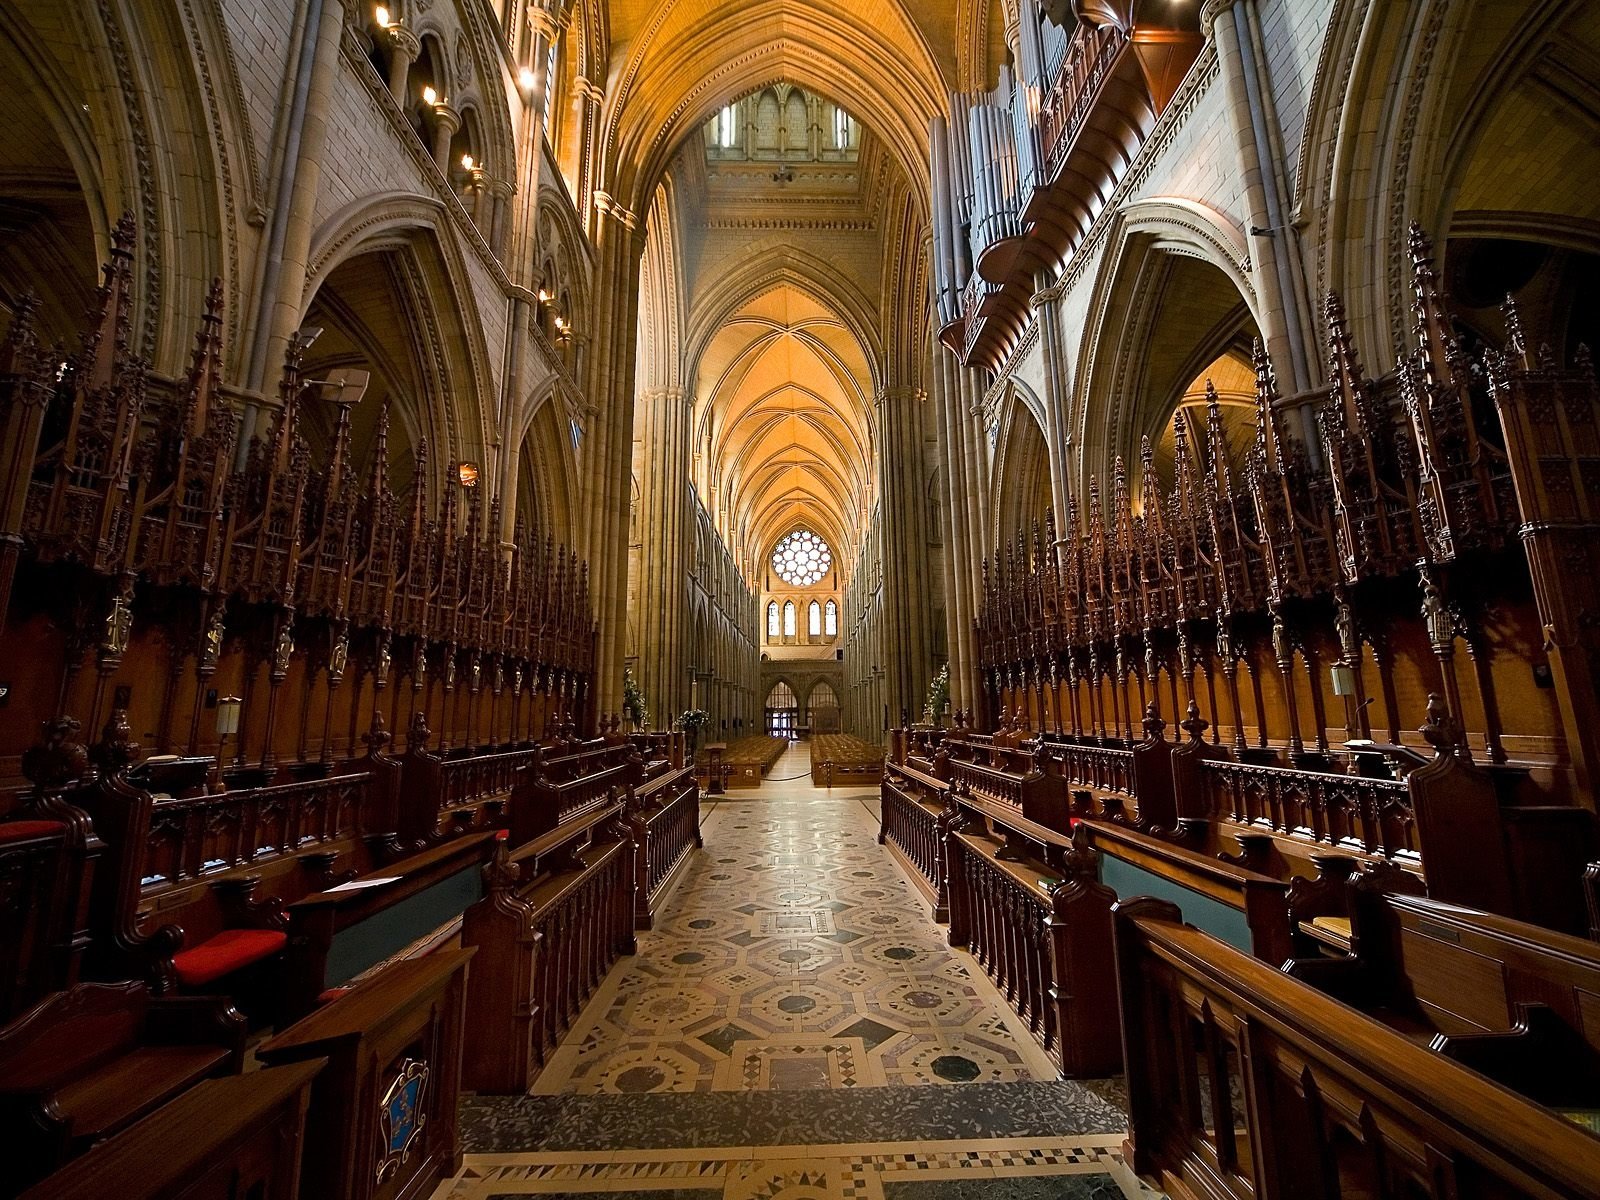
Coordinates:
(783,422)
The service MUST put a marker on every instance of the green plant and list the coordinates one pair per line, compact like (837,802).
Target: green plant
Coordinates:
(938,693)
(634,705)
(693,718)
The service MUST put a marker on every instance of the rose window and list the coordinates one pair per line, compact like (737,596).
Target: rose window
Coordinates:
(801,558)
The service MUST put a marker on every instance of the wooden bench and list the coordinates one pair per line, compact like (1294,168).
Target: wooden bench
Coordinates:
(556,913)
(222,1139)
(1244,1084)
(401,909)
(87,1062)
(383,1115)
(1519,1003)
(552,791)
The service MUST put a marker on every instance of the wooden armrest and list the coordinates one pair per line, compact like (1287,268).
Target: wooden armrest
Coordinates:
(193,1020)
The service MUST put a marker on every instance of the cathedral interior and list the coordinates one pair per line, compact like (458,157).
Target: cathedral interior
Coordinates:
(800,599)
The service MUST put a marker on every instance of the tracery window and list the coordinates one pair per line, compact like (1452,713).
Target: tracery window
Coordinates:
(814,620)
(830,620)
(727,128)
(841,129)
(801,558)
(772,619)
(788,618)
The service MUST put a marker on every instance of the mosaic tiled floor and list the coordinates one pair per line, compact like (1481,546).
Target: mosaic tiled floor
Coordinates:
(785,1031)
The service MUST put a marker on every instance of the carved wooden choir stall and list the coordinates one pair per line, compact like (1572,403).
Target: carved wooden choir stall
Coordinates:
(278,862)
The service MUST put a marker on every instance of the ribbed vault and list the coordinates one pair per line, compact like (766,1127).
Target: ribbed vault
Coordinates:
(783,424)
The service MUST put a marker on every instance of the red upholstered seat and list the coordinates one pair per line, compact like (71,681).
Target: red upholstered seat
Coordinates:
(502,835)
(332,994)
(16,831)
(229,951)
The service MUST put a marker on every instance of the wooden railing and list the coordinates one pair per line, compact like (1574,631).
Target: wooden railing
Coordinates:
(1246,1085)
(196,836)
(912,826)
(1044,941)
(666,827)
(1344,811)
(1084,69)
(584,923)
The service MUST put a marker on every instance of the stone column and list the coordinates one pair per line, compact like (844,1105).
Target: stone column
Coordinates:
(1285,307)
(404,49)
(445,123)
(1057,400)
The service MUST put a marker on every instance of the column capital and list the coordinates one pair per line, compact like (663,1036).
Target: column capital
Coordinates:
(403,42)
(900,393)
(447,117)
(607,205)
(589,91)
(1210,11)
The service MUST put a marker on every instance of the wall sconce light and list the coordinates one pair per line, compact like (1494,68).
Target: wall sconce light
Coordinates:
(544,296)
(429,96)
(468,162)
(381,16)
(227,726)
(527,79)
(467,474)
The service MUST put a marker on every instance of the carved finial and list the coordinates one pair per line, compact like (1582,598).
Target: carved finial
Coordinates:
(116,750)
(1194,724)
(377,735)
(1154,726)
(1441,730)
(418,733)
(1516,342)
(58,757)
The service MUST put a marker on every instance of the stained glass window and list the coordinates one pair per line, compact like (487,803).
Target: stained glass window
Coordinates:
(802,558)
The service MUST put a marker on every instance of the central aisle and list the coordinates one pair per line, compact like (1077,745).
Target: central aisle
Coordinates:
(795,1025)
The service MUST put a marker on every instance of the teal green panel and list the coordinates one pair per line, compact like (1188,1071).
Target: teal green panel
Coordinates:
(365,945)
(1216,918)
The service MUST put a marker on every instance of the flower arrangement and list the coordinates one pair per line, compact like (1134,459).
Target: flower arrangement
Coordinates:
(938,694)
(634,705)
(693,719)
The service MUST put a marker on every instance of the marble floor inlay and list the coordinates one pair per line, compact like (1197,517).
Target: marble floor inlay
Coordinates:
(792,1028)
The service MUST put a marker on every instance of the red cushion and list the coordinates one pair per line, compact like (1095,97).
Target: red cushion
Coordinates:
(502,835)
(227,952)
(332,994)
(16,831)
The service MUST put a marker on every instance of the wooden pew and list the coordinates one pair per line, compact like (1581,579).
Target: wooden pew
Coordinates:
(335,936)
(85,1063)
(665,823)
(1247,1085)
(383,1117)
(557,912)
(1519,1003)
(1244,907)
(443,796)
(552,791)
(222,1139)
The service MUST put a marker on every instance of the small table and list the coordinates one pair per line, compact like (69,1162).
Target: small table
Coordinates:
(714,752)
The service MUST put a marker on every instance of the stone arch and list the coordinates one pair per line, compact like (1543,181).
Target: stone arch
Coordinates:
(450,338)
(1171,295)
(1021,469)
(665,93)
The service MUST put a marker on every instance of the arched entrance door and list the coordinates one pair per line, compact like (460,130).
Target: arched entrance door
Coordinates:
(783,711)
(822,709)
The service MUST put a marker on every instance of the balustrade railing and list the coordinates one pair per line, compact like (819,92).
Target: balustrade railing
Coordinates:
(1345,811)
(914,829)
(1082,72)
(1004,923)
(196,836)
(584,927)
